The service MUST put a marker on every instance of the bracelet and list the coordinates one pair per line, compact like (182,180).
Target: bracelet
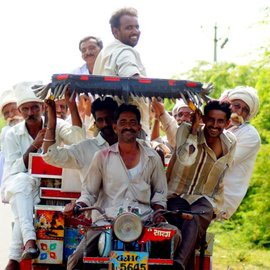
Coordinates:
(48,128)
(48,140)
(35,146)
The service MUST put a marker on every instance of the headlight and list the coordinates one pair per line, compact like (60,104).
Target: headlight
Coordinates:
(128,227)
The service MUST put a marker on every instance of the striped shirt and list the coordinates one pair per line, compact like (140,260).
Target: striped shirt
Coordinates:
(199,174)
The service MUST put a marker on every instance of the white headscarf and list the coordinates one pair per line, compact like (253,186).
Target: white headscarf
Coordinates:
(6,98)
(24,92)
(247,94)
(178,105)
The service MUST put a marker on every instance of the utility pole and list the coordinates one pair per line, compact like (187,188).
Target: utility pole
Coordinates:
(215,43)
(216,40)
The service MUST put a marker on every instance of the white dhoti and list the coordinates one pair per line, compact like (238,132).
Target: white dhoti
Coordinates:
(22,192)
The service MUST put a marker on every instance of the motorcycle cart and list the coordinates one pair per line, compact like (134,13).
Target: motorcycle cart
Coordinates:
(57,236)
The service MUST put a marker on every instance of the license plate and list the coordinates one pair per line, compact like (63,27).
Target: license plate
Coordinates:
(128,260)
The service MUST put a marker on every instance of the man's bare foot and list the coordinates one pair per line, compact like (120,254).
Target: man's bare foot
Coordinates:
(30,250)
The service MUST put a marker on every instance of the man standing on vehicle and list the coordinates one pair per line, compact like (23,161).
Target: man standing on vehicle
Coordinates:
(79,156)
(195,172)
(121,59)
(19,188)
(244,105)
(126,174)
(90,47)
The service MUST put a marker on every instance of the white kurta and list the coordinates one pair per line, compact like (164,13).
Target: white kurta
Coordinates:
(77,156)
(237,177)
(83,70)
(2,143)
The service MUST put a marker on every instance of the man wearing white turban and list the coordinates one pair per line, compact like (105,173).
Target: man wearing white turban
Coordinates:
(181,112)
(245,105)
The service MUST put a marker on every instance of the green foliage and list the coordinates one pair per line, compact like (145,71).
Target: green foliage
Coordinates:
(223,75)
(2,123)
(254,213)
(169,104)
(262,121)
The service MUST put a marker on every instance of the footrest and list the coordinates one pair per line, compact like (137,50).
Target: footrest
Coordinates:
(57,194)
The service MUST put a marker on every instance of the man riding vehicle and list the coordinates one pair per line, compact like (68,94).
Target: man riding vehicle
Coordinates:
(89,47)
(195,172)
(79,156)
(244,105)
(19,188)
(123,175)
(121,59)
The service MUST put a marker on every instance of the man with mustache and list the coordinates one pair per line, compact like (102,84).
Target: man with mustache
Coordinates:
(79,156)
(61,109)
(90,47)
(244,105)
(126,174)
(121,59)
(19,188)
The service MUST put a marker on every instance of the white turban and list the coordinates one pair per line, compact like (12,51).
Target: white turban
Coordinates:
(178,105)
(6,98)
(247,94)
(24,92)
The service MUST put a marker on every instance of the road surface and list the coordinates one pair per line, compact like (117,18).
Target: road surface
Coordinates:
(5,233)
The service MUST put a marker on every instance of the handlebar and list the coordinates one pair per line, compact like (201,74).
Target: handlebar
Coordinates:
(83,209)
(187,215)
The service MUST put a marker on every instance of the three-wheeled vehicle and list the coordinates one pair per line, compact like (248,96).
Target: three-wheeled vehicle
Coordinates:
(125,243)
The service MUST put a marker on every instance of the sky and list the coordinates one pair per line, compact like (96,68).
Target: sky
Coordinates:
(40,38)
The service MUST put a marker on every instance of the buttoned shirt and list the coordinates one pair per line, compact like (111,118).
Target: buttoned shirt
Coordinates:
(76,156)
(200,173)
(237,177)
(83,70)
(119,59)
(18,140)
(108,185)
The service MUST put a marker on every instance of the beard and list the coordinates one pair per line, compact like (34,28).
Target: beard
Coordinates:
(14,120)
(236,119)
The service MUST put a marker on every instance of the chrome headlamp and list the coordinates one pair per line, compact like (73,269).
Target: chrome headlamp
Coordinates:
(127,227)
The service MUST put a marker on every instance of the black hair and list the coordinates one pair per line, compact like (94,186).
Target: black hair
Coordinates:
(98,41)
(218,105)
(115,19)
(127,108)
(101,104)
